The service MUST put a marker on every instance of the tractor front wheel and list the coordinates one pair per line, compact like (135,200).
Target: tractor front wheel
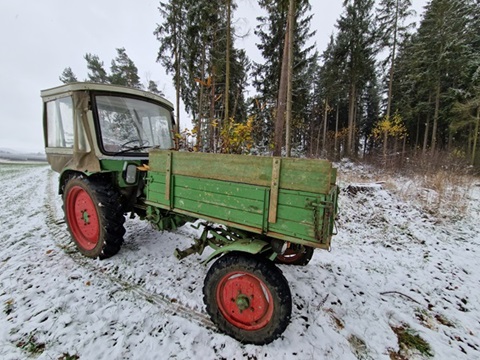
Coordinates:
(94,216)
(248,298)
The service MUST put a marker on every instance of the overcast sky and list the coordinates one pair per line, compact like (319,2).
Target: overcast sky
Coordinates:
(38,39)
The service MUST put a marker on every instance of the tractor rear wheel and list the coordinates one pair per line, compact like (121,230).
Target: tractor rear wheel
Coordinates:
(248,298)
(94,216)
(296,255)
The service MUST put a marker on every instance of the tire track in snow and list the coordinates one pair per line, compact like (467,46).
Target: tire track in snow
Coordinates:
(61,237)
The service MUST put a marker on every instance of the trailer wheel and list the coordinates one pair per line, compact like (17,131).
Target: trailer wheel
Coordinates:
(248,298)
(296,255)
(94,216)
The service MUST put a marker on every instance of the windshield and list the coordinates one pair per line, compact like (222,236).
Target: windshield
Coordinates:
(130,125)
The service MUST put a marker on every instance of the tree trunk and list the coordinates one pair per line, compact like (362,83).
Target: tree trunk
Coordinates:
(227,64)
(325,119)
(290,28)
(475,136)
(213,129)
(436,117)
(351,120)
(385,147)
(337,118)
(392,65)
(282,96)
(427,128)
(177,90)
(201,115)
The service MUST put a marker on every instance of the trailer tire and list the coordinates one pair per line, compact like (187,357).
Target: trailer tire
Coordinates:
(296,255)
(94,216)
(248,298)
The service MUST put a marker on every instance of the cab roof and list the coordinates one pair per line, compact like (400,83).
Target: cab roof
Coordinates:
(59,91)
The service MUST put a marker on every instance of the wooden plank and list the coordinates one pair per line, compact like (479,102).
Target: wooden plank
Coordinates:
(254,170)
(306,175)
(156,188)
(225,214)
(168,177)
(272,212)
(293,229)
(241,191)
(311,175)
(220,200)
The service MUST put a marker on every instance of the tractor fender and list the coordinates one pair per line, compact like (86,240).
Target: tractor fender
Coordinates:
(248,246)
(68,173)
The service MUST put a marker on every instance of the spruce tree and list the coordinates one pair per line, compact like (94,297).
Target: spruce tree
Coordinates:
(271,32)
(170,34)
(392,18)
(355,54)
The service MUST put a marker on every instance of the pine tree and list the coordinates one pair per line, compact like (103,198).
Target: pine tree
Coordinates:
(194,32)
(123,71)
(68,76)
(97,72)
(153,88)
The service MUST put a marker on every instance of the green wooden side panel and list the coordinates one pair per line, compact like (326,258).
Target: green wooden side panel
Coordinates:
(296,216)
(156,188)
(305,175)
(239,203)
(311,175)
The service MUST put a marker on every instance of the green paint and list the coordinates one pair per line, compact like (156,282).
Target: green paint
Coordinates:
(235,191)
(86,217)
(242,302)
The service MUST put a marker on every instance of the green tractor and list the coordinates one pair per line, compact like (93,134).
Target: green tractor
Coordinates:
(114,149)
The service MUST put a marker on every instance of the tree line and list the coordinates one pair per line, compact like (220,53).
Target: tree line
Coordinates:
(384,86)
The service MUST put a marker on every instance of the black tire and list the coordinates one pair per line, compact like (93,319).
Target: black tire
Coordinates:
(248,298)
(296,255)
(94,216)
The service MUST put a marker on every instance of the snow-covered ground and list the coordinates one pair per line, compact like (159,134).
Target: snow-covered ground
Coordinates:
(393,266)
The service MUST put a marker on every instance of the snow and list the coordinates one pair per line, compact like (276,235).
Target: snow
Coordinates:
(392,263)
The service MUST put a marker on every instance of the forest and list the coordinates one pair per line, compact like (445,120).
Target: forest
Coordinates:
(386,89)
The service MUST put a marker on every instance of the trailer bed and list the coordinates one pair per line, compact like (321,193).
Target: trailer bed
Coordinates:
(283,198)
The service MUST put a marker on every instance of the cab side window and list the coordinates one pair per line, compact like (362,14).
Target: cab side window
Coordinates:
(60,123)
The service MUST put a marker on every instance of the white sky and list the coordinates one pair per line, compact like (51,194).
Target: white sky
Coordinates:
(38,39)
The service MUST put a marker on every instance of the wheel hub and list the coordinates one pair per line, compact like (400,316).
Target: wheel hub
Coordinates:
(243,302)
(85,217)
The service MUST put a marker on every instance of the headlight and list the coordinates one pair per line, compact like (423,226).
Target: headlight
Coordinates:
(131,174)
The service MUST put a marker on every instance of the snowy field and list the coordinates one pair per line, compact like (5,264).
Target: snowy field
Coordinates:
(395,269)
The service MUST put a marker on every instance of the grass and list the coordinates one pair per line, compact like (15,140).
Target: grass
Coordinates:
(31,345)
(409,341)
(67,356)
(359,348)
(8,309)
(441,190)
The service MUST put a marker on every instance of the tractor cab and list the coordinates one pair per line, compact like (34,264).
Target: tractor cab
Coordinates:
(86,124)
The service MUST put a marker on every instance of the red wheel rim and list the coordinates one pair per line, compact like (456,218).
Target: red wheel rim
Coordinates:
(245,301)
(290,256)
(82,218)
